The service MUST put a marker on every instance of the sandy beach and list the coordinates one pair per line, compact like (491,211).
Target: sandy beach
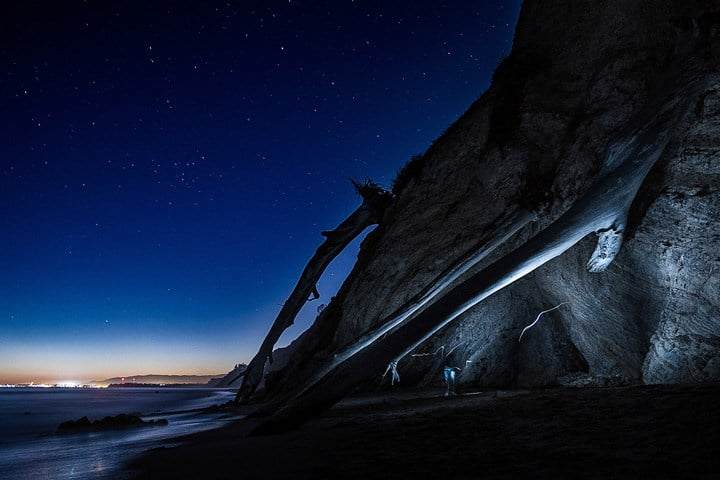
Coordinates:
(622,432)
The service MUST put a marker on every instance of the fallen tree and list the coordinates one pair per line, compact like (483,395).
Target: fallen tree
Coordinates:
(375,200)
(602,210)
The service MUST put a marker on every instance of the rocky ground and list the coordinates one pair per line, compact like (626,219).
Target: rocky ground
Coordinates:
(618,432)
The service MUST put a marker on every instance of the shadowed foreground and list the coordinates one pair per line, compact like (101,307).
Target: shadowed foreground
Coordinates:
(634,432)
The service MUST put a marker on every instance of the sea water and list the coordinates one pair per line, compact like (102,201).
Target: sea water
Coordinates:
(30,448)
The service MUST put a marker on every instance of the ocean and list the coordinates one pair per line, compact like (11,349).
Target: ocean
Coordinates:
(29,417)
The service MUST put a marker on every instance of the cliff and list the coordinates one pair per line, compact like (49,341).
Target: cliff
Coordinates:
(579,73)
(232,379)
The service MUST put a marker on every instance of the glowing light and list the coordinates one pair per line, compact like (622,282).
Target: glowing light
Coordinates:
(538,319)
(68,384)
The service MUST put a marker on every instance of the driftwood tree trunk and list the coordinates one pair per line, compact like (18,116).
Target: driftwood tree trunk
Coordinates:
(603,208)
(370,212)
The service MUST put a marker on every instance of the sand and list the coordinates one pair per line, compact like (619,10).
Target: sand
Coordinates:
(622,432)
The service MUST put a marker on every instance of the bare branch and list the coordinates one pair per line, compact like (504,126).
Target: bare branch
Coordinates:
(375,200)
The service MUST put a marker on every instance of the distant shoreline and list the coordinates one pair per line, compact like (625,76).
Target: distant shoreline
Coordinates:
(115,386)
(164,385)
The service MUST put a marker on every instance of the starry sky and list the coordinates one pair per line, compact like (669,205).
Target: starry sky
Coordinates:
(166,167)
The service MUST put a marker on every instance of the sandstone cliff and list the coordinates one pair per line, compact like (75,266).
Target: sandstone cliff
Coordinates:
(580,71)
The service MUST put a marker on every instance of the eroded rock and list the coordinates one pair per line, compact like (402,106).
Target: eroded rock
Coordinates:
(578,73)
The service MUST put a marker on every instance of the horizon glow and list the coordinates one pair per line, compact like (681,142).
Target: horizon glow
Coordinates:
(162,185)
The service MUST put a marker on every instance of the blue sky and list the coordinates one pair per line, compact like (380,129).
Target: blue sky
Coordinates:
(166,170)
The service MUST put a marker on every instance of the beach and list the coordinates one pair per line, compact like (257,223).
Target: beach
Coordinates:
(627,432)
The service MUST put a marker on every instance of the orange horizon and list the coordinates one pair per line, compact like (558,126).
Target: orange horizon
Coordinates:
(53,378)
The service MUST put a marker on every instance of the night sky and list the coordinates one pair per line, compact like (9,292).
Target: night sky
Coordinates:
(165,169)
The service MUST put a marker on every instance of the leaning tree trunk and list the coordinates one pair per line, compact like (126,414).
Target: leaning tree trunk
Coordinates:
(603,210)
(504,228)
(375,202)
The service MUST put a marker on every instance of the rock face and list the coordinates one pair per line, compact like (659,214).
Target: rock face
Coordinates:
(232,379)
(578,74)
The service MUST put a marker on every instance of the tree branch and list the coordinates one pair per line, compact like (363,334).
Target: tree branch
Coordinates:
(375,202)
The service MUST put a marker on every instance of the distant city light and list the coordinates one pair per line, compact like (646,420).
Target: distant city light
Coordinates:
(68,384)
(64,384)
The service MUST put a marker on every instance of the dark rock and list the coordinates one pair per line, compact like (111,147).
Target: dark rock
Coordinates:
(232,379)
(81,423)
(109,423)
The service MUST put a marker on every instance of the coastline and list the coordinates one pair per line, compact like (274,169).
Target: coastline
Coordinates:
(33,447)
(665,431)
